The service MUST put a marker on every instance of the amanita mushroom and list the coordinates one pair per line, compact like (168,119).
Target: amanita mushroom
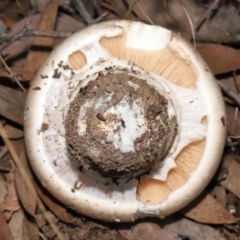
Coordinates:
(124,120)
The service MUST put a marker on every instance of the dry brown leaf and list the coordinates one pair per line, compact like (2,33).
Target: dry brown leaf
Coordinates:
(206,209)
(13,132)
(173,227)
(12,104)
(146,231)
(17,226)
(41,46)
(232,183)
(64,23)
(25,196)
(10,203)
(33,231)
(220,59)
(55,206)
(5,233)
(173,18)
(3,191)
(19,73)
(220,194)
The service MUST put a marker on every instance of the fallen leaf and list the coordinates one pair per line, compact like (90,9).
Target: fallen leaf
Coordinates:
(33,231)
(172,227)
(10,203)
(5,233)
(55,206)
(12,104)
(25,195)
(40,45)
(232,183)
(219,193)
(21,74)
(146,231)
(220,59)
(217,25)
(17,226)
(64,23)
(13,132)
(206,209)
(3,191)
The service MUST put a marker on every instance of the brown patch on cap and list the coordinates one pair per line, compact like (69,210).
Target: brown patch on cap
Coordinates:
(223,121)
(154,191)
(77,60)
(204,120)
(37,88)
(44,127)
(165,62)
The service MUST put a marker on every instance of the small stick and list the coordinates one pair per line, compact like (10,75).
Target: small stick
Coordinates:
(11,74)
(78,4)
(191,25)
(6,41)
(231,94)
(206,14)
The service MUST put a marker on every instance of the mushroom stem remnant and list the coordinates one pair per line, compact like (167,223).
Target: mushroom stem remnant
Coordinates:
(119,133)
(122,121)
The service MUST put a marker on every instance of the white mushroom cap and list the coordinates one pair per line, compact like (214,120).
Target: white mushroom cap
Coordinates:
(165,61)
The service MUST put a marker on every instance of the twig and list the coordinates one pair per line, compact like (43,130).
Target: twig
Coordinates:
(227,91)
(78,4)
(110,8)
(3,152)
(11,74)
(25,32)
(100,18)
(143,12)
(29,183)
(206,14)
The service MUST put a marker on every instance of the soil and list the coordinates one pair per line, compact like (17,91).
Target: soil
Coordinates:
(96,146)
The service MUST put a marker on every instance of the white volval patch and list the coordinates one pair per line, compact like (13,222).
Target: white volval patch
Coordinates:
(82,125)
(132,116)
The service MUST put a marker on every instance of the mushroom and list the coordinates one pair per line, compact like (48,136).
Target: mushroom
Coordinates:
(124,120)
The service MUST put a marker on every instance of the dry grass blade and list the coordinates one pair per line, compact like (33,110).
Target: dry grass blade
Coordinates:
(143,12)
(191,25)
(11,74)
(206,14)
(29,183)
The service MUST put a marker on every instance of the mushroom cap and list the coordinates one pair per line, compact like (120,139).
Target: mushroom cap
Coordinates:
(165,61)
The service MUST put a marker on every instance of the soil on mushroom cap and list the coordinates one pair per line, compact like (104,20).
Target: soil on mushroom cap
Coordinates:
(93,149)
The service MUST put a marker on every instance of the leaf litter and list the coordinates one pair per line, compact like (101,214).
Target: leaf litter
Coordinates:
(213,215)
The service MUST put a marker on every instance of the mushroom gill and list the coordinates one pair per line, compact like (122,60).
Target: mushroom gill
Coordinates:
(165,62)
